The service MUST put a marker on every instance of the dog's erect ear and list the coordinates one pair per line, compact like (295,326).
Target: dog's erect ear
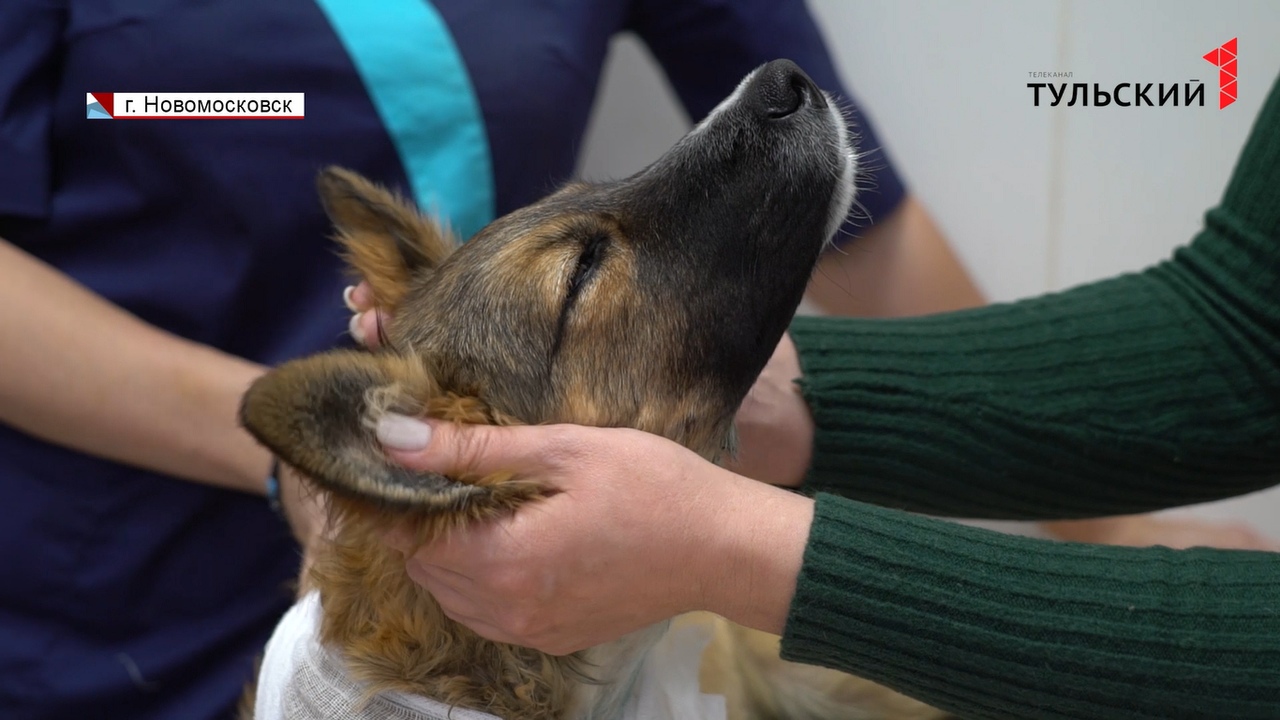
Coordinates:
(318,415)
(385,239)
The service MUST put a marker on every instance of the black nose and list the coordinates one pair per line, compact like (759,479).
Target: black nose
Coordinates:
(781,88)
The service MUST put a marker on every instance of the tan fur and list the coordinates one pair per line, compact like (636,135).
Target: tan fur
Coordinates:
(383,238)
(317,414)
(744,666)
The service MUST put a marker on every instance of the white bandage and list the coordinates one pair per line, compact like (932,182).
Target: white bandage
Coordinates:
(302,680)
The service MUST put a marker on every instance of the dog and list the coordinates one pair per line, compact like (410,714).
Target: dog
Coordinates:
(652,303)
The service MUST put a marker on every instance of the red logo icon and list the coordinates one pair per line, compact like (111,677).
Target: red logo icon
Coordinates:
(1225,58)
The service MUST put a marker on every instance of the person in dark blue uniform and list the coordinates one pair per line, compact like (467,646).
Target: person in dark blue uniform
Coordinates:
(151,269)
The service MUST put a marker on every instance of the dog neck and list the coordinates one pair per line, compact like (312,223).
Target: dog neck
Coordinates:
(393,636)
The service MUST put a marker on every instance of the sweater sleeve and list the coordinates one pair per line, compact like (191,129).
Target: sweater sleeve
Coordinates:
(986,625)
(1142,392)
(1146,391)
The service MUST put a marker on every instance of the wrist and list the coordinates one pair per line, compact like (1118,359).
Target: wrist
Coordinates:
(751,565)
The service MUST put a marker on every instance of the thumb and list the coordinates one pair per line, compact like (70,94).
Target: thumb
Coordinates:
(452,449)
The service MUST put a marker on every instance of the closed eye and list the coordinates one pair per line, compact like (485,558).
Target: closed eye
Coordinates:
(588,260)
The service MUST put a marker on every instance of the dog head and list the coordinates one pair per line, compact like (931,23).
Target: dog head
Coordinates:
(651,302)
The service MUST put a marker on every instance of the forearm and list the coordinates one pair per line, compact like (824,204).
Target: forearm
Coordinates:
(80,372)
(993,626)
(1121,397)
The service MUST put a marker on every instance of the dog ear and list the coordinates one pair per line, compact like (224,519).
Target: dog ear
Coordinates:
(318,415)
(385,240)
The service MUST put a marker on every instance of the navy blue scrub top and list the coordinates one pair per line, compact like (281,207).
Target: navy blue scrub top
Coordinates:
(125,594)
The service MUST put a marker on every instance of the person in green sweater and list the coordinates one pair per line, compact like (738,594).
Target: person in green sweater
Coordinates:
(1146,391)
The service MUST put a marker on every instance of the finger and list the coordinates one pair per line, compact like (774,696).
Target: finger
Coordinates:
(454,450)
(426,573)
(361,297)
(365,328)
(451,591)
(457,549)
(355,329)
(460,607)
(483,629)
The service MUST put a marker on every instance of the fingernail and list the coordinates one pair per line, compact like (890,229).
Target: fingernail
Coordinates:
(346,298)
(353,327)
(399,432)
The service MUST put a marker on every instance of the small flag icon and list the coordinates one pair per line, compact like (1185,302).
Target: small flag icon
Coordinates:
(98,106)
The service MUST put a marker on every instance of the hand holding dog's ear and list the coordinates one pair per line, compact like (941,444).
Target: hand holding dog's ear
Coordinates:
(366,320)
(637,529)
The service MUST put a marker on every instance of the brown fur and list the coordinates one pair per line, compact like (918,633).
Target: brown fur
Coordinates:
(481,357)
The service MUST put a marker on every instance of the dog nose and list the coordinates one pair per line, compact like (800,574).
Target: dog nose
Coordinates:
(781,88)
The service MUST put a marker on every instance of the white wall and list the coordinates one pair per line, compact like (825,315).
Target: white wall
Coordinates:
(1033,198)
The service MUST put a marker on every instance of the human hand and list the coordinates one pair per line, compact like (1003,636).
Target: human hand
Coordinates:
(775,428)
(636,529)
(366,320)
(1174,532)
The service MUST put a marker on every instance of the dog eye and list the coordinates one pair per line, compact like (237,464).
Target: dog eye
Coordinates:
(590,256)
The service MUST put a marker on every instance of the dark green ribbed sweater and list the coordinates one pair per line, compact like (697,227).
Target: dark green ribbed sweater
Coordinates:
(1147,391)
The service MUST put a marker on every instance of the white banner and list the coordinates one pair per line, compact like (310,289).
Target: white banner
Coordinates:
(194,106)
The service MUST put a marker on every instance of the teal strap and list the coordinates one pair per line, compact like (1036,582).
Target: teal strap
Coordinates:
(419,85)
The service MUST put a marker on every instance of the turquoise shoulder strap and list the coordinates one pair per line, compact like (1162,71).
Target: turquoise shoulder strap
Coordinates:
(419,85)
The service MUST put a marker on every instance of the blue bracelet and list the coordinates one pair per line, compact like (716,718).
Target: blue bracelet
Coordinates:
(273,488)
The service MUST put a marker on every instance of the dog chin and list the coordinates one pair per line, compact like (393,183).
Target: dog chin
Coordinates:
(842,195)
